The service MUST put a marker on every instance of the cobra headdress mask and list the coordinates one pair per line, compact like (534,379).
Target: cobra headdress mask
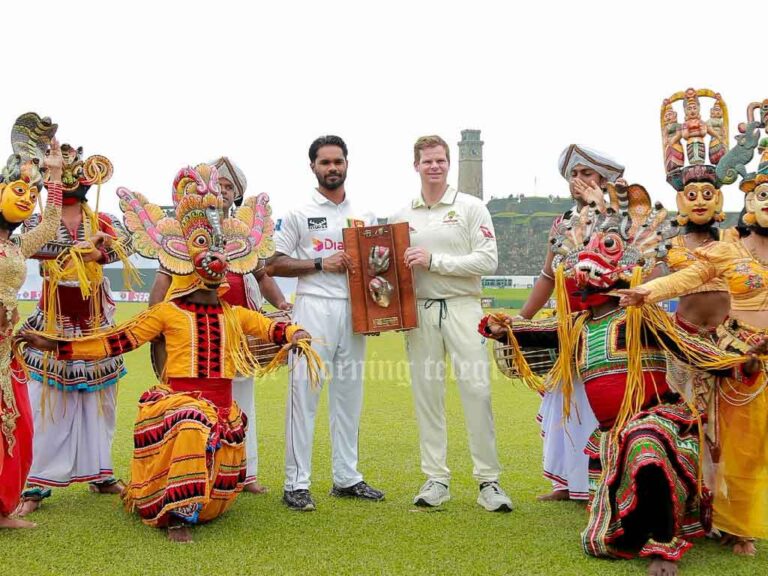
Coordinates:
(22,176)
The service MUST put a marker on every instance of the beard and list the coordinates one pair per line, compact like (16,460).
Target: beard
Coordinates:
(331,185)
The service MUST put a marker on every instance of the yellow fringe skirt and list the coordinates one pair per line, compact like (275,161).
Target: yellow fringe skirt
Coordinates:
(188,459)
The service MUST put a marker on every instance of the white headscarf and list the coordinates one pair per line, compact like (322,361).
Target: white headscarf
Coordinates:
(229,170)
(604,165)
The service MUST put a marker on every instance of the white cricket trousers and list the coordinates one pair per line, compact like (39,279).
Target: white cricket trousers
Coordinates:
(449,327)
(243,393)
(329,321)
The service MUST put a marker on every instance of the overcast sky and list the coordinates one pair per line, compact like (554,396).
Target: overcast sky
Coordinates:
(159,85)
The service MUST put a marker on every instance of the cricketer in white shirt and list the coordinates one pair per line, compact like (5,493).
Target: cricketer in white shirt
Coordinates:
(314,230)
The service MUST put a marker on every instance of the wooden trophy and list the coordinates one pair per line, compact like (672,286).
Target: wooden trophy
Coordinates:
(380,284)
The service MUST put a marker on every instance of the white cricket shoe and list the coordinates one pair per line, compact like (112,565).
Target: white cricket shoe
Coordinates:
(432,494)
(493,498)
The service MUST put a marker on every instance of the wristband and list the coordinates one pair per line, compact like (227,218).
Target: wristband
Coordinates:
(319,264)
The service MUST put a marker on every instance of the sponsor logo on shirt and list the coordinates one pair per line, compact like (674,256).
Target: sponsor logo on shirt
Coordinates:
(486,231)
(317,223)
(278,224)
(326,244)
(451,218)
(353,223)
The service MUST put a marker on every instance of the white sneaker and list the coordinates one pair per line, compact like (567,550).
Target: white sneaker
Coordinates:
(493,498)
(432,494)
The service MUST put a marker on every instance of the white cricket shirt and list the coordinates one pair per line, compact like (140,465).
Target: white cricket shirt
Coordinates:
(458,232)
(313,230)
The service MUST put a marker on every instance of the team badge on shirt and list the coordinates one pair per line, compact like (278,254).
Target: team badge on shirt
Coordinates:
(452,217)
(317,223)
(486,231)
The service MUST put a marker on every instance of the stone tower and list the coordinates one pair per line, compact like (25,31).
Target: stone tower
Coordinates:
(471,163)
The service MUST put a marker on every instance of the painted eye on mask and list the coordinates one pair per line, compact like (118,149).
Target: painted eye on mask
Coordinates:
(762,195)
(707,194)
(200,241)
(612,244)
(19,191)
(691,195)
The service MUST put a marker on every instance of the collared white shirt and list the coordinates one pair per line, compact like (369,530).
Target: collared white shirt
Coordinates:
(314,230)
(458,232)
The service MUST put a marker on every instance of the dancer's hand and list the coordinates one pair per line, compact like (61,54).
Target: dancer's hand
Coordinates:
(632,296)
(589,193)
(54,161)
(89,252)
(754,364)
(37,341)
(300,335)
(498,324)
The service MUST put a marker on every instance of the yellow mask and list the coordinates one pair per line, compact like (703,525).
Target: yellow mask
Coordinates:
(17,201)
(700,203)
(757,205)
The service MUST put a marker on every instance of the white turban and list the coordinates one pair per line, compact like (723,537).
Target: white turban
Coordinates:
(229,170)
(604,165)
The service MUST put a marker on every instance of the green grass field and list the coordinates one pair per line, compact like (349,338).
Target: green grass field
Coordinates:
(85,534)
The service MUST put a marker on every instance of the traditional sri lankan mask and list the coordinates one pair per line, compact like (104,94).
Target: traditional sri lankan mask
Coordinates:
(700,203)
(757,206)
(199,201)
(17,201)
(79,175)
(195,240)
(600,249)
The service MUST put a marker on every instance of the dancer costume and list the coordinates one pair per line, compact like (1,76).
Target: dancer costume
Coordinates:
(20,186)
(74,401)
(188,462)
(646,498)
(741,495)
(565,463)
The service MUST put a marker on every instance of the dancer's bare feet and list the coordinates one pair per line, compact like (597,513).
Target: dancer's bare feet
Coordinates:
(27,506)
(659,567)
(554,496)
(113,488)
(744,547)
(180,534)
(12,523)
(255,488)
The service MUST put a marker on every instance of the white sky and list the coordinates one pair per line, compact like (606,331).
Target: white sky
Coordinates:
(159,85)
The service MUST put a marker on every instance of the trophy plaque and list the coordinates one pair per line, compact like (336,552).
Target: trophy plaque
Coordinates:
(380,284)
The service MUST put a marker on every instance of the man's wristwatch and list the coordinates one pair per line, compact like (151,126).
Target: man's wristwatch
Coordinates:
(318,264)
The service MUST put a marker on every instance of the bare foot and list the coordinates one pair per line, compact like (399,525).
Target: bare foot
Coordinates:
(114,488)
(659,567)
(28,506)
(11,523)
(255,488)
(555,495)
(180,534)
(744,547)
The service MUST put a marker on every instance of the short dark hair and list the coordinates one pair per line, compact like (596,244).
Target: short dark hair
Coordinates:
(328,140)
